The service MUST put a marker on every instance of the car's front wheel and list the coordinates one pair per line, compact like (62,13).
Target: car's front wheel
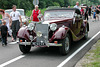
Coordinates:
(64,49)
(24,48)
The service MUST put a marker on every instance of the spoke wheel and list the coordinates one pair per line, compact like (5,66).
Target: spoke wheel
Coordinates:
(86,34)
(64,49)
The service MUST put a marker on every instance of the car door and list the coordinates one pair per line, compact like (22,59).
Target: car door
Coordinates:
(77,24)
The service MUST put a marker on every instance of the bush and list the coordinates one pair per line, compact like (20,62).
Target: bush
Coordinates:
(28,13)
(42,4)
(56,4)
(0,17)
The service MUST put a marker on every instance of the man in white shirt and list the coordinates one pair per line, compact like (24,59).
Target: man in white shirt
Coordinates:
(15,25)
(77,6)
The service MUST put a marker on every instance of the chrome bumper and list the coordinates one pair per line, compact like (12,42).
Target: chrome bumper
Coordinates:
(33,43)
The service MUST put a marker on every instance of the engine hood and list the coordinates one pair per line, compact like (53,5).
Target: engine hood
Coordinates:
(54,21)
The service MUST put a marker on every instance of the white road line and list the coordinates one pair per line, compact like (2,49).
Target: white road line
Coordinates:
(11,61)
(72,55)
(60,65)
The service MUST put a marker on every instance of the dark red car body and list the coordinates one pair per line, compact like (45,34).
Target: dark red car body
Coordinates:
(75,27)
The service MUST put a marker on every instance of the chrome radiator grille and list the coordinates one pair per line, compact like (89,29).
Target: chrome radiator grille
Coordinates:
(43,28)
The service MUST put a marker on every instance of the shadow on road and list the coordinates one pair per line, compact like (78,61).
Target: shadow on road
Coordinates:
(54,51)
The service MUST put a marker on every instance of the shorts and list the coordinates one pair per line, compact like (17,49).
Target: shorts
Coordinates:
(94,17)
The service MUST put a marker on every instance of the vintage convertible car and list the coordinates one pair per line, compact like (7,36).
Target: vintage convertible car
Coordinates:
(59,28)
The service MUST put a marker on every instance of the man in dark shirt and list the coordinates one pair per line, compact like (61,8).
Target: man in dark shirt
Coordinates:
(97,12)
(86,13)
(90,12)
(4,33)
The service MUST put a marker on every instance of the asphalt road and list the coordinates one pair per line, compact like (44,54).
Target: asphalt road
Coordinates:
(46,57)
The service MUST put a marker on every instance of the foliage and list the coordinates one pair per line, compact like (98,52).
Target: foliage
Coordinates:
(28,4)
(0,17)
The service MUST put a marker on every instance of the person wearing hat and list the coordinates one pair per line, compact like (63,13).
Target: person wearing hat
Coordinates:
(35,14)
(15,25)
(6,17)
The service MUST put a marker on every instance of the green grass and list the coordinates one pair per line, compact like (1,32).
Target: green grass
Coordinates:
(95,57)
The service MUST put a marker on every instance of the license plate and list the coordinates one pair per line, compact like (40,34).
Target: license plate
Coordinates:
(39,44)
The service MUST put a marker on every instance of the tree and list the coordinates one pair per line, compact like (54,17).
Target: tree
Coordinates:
(28,4)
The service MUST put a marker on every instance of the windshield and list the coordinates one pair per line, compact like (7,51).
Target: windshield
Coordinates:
(20,11)
(58,14)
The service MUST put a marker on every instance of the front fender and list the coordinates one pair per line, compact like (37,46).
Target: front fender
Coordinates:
(59,34)
(23,33)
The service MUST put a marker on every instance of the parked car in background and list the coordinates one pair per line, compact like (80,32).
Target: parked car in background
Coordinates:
(25,19)
(59,28)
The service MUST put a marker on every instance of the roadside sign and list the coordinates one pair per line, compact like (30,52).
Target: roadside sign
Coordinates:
(35,2)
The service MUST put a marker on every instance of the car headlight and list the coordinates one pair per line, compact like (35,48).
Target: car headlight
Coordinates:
(30,26)
(53,26)
(39,34)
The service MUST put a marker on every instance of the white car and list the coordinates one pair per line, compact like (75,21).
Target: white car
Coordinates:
(25,19)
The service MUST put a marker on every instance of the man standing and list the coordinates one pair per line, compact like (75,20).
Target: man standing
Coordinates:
(35,14)
(86,13)
(15,25)
(90,12)
(97,12)
(77,6)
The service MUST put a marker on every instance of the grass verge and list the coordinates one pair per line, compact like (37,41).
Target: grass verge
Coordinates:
(92,58)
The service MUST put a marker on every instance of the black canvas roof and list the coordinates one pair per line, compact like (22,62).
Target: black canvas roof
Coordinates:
(62,9)
(75,9)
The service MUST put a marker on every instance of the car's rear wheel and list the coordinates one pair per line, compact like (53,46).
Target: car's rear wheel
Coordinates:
(86,34)
(24,48)
(64,49)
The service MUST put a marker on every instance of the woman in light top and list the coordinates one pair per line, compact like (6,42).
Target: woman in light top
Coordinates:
(7,18)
